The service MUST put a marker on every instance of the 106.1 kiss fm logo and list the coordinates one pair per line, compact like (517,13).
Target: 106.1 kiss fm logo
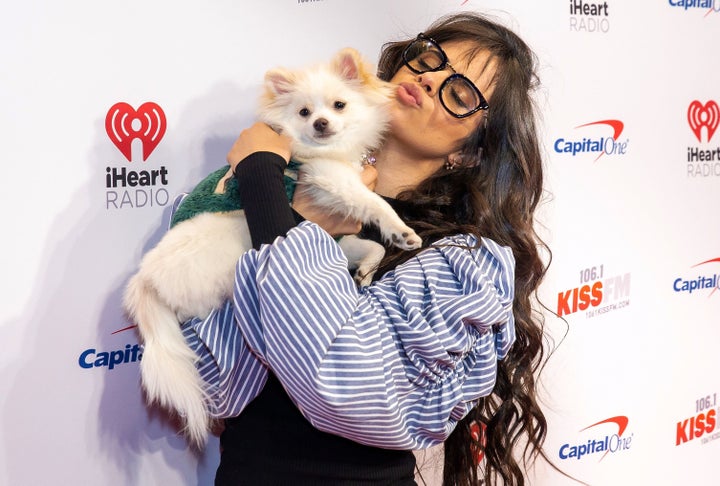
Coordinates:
(703,161)
(703,424)
(597,293)
(127,188)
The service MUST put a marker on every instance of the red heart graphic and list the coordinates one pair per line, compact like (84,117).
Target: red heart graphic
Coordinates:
(703,116)
(124,124)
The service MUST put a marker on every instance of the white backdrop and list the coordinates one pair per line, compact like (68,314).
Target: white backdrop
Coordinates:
(631,391)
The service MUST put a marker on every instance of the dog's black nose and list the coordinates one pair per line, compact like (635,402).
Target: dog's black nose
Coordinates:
(320,125)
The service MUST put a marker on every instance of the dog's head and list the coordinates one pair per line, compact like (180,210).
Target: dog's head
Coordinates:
(338,108)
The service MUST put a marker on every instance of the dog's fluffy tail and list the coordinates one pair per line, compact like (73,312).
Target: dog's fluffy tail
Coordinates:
(167,367)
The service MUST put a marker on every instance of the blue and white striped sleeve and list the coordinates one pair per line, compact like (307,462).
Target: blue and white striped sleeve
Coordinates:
(232,374)
(392,365)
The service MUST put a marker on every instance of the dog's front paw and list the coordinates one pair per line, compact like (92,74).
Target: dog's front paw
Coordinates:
(406,239)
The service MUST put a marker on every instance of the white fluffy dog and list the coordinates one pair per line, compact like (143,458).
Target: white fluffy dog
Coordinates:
(334,114)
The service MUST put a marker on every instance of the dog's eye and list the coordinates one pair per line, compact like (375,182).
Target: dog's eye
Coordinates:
(339,105)
(304,112)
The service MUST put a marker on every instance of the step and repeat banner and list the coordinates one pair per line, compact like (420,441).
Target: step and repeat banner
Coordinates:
(109,110)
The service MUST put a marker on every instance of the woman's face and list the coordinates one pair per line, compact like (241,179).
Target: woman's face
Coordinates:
(418,118)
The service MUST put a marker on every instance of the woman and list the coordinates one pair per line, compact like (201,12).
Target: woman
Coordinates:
(444,347)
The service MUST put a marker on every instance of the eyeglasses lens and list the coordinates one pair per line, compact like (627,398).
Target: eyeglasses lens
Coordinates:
(458,96)
(423,56)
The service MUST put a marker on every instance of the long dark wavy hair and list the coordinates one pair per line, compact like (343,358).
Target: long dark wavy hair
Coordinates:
(493,194)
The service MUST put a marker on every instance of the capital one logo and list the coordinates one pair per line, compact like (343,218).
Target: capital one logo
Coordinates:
(707,281)
(124,124)
(600,441)
(595,143)
(699,116)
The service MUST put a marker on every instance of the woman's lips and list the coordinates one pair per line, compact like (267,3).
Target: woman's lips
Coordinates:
(409,94)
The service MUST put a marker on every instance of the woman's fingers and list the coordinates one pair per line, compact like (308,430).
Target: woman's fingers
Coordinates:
(259,137)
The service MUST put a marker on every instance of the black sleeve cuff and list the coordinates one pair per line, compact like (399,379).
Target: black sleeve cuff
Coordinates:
(262,191)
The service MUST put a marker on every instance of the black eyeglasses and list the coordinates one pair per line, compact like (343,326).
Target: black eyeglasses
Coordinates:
(458,95)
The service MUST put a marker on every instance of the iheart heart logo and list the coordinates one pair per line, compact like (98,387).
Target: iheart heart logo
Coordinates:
(124,124)
(703,116)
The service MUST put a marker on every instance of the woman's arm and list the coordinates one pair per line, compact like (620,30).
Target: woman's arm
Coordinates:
(394,365)
(262,192)
(258,159)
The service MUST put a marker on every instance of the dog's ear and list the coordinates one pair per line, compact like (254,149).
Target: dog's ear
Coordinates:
(349,64)
(279,81)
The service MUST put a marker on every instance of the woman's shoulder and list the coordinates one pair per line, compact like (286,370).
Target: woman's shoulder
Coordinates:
(459,263)
(471,246)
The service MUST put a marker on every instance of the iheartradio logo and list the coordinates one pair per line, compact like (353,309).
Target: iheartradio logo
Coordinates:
(700,116)
(124,124)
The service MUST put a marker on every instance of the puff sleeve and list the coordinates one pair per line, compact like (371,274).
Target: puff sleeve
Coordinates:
(392,365)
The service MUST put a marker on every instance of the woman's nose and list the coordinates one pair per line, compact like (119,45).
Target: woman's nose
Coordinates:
(429,82)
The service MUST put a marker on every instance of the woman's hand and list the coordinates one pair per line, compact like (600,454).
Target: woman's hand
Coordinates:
(261,138)
(258,138)
(334,224)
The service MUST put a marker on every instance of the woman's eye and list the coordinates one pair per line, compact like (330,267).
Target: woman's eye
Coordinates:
(339,105)
(428,60)
(424,61)
(304,112)
(459,98)
(423,65)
